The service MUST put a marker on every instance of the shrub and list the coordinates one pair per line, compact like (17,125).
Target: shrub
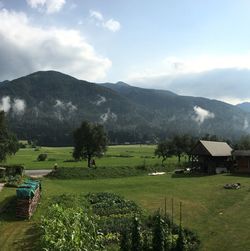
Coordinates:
(13,181)
(13,170)
(42,157)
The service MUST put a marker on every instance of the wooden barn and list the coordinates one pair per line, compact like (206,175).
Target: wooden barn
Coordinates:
(241,161)
(211,157)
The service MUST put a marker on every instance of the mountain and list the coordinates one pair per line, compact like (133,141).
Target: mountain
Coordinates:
(244,106)
(182,114)
(47,106)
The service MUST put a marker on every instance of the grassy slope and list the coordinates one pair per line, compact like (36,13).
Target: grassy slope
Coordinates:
(219,216)
(115,156)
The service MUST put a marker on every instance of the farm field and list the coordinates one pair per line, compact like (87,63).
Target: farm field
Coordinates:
(131,155)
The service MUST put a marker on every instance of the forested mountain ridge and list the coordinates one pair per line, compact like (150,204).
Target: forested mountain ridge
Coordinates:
(244,106)
(48,105)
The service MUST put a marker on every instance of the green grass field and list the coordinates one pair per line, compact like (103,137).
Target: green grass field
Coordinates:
(115,156)
(219,216)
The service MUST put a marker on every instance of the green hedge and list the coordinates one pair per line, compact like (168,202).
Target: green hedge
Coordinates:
(102,172)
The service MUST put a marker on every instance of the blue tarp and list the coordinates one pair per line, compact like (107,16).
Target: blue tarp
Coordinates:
(27,189)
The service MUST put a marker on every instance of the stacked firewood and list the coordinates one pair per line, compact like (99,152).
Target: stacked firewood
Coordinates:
(26,207)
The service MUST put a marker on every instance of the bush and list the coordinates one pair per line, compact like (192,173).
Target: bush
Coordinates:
(42,157)
(13,181)
(13,170)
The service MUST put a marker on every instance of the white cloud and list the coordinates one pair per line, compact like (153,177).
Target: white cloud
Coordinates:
(245,126)
(101,100)
(108,116)
(202,114)
(65,106)
(59,104)
(26,48)
(71,107)
(5,104)
(18,106)
(96,14)
(48,6)
(110,24)
(223,77)
(63,110)
(172,66)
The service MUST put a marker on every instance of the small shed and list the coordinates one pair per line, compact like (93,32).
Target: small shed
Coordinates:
(211,156)
(241,161)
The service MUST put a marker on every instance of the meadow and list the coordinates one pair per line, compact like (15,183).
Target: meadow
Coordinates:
(128,155)
(218,216)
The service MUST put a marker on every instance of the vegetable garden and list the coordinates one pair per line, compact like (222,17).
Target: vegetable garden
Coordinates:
(101,221)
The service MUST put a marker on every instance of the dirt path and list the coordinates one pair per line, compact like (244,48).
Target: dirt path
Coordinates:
(37,173)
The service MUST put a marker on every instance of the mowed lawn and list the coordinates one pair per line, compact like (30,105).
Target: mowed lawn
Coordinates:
(219,216)
(131,155)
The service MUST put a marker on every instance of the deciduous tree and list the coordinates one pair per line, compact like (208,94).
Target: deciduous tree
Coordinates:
(90,140)
(164,150)
(8,141)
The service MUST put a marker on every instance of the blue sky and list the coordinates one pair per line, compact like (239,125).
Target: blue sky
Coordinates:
(153,44)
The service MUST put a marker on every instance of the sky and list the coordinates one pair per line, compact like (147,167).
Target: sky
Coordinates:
(191,47)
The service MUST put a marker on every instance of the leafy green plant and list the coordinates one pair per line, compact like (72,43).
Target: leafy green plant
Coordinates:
(136,236)
(69,229)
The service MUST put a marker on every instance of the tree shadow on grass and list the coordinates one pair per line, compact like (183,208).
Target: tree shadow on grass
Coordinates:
(31,239)
(8,209)
(30,232)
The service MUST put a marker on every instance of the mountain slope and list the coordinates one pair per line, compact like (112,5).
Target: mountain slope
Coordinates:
(244,106)
(187,114)
(57,101)
(47,106)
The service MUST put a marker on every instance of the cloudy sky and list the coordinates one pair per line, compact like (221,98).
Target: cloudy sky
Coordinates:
(191,47)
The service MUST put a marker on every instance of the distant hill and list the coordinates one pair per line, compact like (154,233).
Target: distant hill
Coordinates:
(47,106)
(244,106)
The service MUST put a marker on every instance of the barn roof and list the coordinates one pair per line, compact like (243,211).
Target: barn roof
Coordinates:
(213,148)
(241,153)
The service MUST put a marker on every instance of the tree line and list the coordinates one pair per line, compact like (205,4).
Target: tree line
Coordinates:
(91,140)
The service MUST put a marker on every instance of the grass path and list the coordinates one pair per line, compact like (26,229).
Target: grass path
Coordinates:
(17,235)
